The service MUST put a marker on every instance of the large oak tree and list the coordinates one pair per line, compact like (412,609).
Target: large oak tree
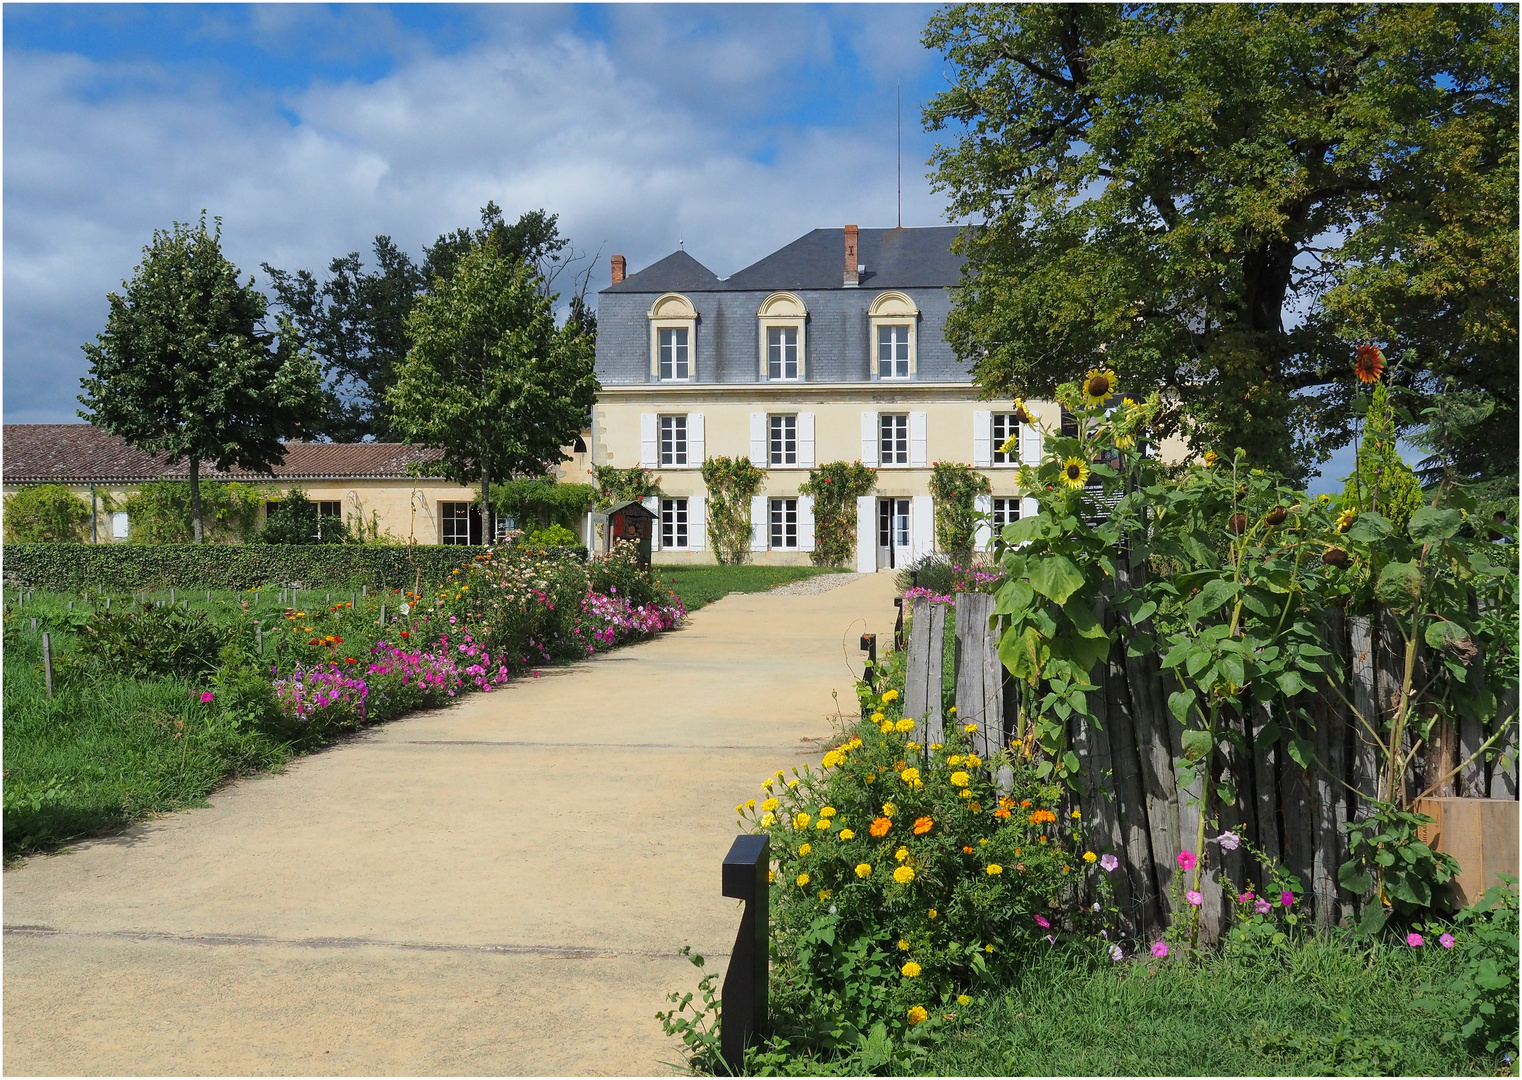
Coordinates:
(1222,200)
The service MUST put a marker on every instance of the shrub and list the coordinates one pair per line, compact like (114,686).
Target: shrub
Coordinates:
(153,641)
(45,514)
(954,488)
(731,484)
(159,513)
(835,487)
(554,536)
(296,521)
(543,502)
(624,485)
(1481,1003)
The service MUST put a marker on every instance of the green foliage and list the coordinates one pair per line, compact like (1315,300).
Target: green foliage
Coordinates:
(615,486)
(1480,1003)
(46,514)
(296,521)
(543,502)
(731,483)
(1148,174)
(1381,482)
(240,566)
(159,513)
(490,379)
(553,536)
(835,487)
(1387,851)
(700,1032)
(185,368)
(152,641)
(955,487)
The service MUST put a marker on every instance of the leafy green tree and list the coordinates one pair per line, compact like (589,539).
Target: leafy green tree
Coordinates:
(185,367)
(490,378)
(1219,200)
(45,514)
(159,513)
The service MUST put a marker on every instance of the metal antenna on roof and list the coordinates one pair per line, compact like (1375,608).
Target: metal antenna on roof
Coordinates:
(901,154)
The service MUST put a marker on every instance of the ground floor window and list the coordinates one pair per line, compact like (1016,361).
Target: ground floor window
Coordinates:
(459,523)
(673,523)
(1004,512)
(784,521)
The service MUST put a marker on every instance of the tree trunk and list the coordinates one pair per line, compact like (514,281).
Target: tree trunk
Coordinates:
(488,526)
(195,500)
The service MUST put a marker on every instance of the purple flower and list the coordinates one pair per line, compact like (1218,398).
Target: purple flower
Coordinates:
(1286,898)
(1262,907)
(1160,949)
(1229,841)
(1446,941)
(1116,954)
(1194,898)
(1415,940)
(1108,863)
(1041,922)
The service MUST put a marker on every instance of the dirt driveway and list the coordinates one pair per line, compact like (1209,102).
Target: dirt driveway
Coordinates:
(498,887)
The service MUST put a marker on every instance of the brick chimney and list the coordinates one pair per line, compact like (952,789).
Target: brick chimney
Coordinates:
(853,276)
(619,269)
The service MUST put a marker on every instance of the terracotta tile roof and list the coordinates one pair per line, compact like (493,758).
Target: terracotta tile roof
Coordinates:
(80,453)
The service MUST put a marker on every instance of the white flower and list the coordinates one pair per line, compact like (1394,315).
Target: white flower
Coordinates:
(1116,954)
(1229,841)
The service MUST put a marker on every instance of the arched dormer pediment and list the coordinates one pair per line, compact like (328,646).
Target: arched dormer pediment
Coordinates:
(892,305)
(672,306)
(782,305)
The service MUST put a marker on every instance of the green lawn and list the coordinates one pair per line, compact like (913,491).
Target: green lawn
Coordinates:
(699,585)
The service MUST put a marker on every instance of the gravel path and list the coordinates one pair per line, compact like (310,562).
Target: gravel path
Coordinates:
(813,586)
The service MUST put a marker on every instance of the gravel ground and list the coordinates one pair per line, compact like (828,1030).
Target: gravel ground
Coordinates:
(813,586)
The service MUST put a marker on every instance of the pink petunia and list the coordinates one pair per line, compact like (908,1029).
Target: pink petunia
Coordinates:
(1160,949)
(1194,898)
(1041,922)
(1108,863)
(1286,898)
(1244,898)
(1446,941)
(1415,940)
(206,696)
(1186,860)
(1263,907)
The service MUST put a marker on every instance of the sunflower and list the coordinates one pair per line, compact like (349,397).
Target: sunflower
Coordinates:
(1345,520)
(1368,364)
(1021,413)
(1098,385)
(1075,472)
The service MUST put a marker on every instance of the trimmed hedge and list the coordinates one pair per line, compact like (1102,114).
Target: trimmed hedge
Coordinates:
(227,566)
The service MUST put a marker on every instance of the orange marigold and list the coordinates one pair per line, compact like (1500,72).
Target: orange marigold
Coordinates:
(880,826)
(922,826)
(1003,811)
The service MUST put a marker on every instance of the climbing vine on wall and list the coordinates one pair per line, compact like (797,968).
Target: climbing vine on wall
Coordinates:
(731,484)
(835,487)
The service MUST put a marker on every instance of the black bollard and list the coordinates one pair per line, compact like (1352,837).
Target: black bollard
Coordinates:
(744,996)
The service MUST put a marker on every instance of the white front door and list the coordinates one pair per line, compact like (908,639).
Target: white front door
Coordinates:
(892,533)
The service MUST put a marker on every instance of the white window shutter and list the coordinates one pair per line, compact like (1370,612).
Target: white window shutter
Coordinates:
(697,522)
(648,455)
(758,455)
(806,441)
(983,537)
(652,503)
(866,534)
(1029,507)
(1030,444)
(917,454)
(758,523)
(982,438)
(695,439)
(921,526)
(869,436)
(805,523)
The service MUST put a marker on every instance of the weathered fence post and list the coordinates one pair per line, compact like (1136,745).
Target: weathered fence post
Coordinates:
(47,661)
(979,673)
(259,637)
(922,673)
(746,981)
(869,670)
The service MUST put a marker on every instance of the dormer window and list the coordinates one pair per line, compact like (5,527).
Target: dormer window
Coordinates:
(894,322)
(673,339)
(783,323)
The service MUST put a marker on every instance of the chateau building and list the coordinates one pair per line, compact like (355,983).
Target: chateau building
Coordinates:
(832,348)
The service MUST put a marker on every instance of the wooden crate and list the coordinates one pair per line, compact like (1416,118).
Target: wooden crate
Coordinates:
(1480,833)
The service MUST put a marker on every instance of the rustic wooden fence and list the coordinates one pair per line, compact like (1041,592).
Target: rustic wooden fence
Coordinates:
(1135,802)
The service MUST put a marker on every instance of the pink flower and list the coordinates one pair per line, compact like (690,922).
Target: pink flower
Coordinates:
(1262,907)
(1446,941)
(1186,860)
(1160,949)
(1229,841)
(1108,863)
(206,696)
(1415,940)
(1244,898)
(1194,898)
(1286,898)
(1041,922)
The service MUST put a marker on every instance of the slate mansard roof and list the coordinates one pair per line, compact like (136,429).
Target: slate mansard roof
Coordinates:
(892,259)
(83,453)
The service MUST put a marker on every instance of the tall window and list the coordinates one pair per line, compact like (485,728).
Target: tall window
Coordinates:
(1006,427)
(1004,512)
(784,518)
(893,442)
(673,523)
(782,352)
(784,440)
(459,523)
(673,350)
(893,351)
(674,439)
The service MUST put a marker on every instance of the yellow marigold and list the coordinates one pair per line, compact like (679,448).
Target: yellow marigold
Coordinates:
(969,728)
(832,758)
(889,809)
(863,870)
(912,746)
(803,879)
(973,761)
(886,727)
(792,783)
(917,1015)
(933,913)
(903,945)
(954,759)
(848,834)
(994,870)
(878,718)
(903,725)
(768,820)
(769,804)
(750,804)
(825,894)
(975,806)
(738,808)
(901,854)
(766,785)
(904,875)
(1089,856)
(890,697)
(911,970)
(964,1000)
(951,711)
(936,745)
(922,825)
(801,820)
(823,823)
(911,776)
(960,779)
(1076,814)
(804,849)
